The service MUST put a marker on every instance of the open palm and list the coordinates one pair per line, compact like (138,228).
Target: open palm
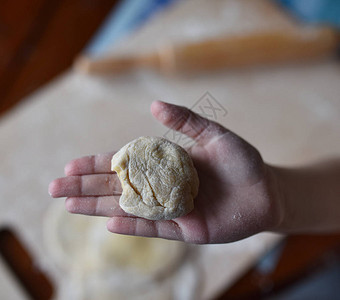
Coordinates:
(237,193)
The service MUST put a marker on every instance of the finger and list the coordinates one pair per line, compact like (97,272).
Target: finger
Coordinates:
(93,164)
(106,206)
(148,228)
(182,119)
(86,185)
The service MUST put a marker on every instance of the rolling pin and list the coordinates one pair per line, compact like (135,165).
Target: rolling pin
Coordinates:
(223,53)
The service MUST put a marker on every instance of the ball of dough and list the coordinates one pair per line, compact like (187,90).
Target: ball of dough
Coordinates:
(158,178)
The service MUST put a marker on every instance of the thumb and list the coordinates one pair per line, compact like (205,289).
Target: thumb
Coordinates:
(184,120)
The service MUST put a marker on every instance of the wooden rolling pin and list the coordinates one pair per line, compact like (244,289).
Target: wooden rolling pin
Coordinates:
(222,53)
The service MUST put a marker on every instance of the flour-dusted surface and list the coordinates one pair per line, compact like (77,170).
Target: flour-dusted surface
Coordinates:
(291,114)
(101,265)
(158,178)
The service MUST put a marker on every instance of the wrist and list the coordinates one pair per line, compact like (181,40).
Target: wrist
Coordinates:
(278,197)
(309,197)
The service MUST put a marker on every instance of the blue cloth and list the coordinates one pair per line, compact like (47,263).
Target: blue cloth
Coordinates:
(128,16)
(315,11)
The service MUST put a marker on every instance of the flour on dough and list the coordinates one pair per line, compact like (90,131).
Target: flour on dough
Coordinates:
(158,178)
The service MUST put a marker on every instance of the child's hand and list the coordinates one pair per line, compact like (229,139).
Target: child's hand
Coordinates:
(237,195)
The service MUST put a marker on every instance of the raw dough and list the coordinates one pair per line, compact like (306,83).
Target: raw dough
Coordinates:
(97,264)
(158,178)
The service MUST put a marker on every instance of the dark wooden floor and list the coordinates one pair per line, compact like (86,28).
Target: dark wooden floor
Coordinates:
(301,256)
(40,38)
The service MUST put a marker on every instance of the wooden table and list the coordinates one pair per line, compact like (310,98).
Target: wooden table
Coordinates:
(39,39)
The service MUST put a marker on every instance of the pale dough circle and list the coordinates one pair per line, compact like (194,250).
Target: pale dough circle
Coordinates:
(158,178)
(96,264)
(81,243)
